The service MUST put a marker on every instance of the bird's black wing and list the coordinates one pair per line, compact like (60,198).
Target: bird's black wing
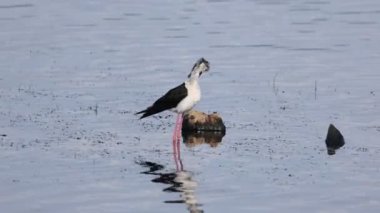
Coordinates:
(168,101)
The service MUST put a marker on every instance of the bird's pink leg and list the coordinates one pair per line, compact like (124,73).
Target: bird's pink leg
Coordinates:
(176,144)
(179,127)
(175,128)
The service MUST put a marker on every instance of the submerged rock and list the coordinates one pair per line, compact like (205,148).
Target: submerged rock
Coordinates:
(195,121)
(334,140)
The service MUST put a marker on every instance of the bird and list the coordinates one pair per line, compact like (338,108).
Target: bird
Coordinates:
(182,98)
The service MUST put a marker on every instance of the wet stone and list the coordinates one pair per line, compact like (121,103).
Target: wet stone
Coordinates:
(334,140)
(195,121)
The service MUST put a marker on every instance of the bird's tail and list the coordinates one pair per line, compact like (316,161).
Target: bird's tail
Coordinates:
(150,111)
(143,111)
(146,112)
(140,112)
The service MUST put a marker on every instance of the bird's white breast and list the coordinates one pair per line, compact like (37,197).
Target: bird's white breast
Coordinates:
(192,98)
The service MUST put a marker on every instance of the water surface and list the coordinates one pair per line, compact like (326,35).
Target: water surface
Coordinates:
(72,74)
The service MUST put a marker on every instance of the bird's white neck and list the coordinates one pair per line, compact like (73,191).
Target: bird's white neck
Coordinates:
(194,76)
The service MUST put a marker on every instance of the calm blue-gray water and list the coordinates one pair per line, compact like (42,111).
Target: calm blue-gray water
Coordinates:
(73,73)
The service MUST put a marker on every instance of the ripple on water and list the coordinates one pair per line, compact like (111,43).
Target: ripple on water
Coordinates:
(317,2)
(7,19)
(319,19)
(312,49)
(303,23)
(132,14)
(80,25)
(176,36)
(158,19)
(175,29)
(361,22)
(270,2)
(16,6)
(222,22)
(304,9)
(112,19)
(189,10)
(306,31)
(355,12)
(221,46)
(214,32)
(217,1)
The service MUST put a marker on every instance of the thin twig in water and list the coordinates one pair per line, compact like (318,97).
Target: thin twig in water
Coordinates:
(315,90)
(96,109)
(275,89)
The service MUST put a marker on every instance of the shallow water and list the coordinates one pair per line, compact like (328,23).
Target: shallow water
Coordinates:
(72,74)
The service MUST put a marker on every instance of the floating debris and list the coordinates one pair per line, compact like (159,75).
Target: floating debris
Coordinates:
(334,140)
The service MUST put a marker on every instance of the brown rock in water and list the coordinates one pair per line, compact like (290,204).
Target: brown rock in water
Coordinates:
(334,140)
(195,121)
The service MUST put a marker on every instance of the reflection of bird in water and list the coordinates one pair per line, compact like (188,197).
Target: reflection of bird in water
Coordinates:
(191,139)
(180,181)
(181,98)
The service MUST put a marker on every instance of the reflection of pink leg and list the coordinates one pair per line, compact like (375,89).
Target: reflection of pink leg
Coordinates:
(179,154)
(175,142)
(179,137)
(175,154)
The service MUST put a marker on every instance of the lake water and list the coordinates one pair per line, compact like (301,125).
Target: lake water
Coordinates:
(73,73)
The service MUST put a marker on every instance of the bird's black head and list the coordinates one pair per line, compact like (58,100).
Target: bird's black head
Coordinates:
(202,65)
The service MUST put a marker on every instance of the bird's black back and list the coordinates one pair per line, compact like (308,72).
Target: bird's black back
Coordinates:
(170,100)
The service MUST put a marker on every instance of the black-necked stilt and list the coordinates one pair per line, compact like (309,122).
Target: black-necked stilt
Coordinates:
(181,98)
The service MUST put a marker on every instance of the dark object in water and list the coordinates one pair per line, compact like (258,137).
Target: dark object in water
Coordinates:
(195,121)
(192,139)
(334,140)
